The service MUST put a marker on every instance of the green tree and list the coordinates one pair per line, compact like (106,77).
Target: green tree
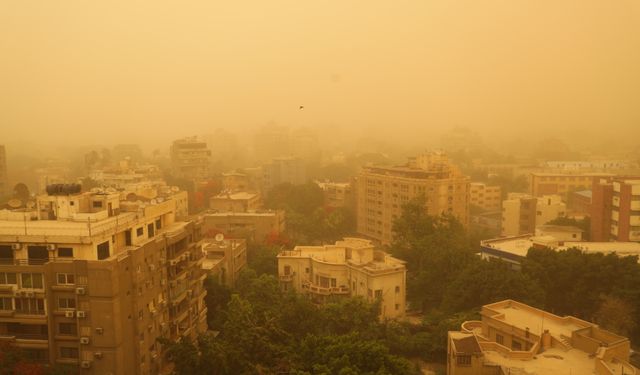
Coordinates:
(616,315)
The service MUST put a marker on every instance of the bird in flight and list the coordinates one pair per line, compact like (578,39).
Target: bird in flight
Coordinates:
(301,107)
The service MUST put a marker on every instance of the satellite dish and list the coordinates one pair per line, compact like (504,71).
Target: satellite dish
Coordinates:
(15,203)
(111,190)
(175,189)
(219,237)
(153,201)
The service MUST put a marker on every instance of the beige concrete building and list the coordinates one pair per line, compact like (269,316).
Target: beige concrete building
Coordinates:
(235,181)
(561,183)
(190,158)
(615,209)
(224,259)
(254,226)
(236,201)
(487,197)
(352,267)
(336,194)
(4,178)
(92,280)
(521,213)
(381,192)
(514,338)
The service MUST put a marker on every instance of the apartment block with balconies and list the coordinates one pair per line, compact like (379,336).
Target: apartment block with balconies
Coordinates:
(92,280)
(352,267)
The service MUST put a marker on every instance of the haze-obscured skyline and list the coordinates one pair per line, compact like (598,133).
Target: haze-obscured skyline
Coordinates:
(143,72)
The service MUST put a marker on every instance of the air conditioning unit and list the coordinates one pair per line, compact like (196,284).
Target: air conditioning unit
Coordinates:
(16,246)
(97,355)
(51,246)
(84,340)
(99,330)
(85,364)
(81,314)
(152,267)
(81,291)
(68,314)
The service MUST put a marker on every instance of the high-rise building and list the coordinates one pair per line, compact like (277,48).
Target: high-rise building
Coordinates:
(514,338)
(615,209)
(283,170)
(93,280)
(521,213)
(352,267)
(381,192)
(4,179)
(190,158)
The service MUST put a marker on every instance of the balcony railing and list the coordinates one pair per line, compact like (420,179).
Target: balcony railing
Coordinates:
(321,290)
(287,278)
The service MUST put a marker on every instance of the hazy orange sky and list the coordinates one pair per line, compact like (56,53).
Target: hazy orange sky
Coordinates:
(90,71)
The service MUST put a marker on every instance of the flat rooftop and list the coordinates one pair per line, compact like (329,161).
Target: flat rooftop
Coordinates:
(520,245)
(552,362)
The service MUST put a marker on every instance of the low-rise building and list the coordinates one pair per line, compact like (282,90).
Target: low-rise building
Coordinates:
(514,249)
(224,258)
(336,194)
(352,267)
(235,181)
(521,213)
(561,183)
(255,226)
(514,338)
(93,280)
(235,201)
(579,203)
(487,197)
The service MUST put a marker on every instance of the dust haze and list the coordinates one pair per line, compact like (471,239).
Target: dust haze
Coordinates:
(403,72)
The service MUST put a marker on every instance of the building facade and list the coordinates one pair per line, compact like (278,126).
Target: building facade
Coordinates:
(381,192)
(487,197)
(92,280)
(615,209)
(255,226)
(521,213)
(282,170)
(190,158)
(336,194)
(514,338)
(224,259)
(352,267)
(549,183)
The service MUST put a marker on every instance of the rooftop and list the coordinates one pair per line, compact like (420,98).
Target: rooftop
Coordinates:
(236,195)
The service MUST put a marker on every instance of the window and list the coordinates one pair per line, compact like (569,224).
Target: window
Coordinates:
(500,339)
(379,294)
(65,252)
(66,279)
(150,230)
(67,329)
(30,306)
(66,303)
(516,345)
(6,254)
(334,283)
(97,204)
(397,306)
(463,360)
(8,278)
(6,303)
(158,224)
(103,250)
(32,280)
(397,289)
(140,231)
(69,352)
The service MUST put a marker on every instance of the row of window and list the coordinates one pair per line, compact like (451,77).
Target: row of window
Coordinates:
(27,306)
(34,280)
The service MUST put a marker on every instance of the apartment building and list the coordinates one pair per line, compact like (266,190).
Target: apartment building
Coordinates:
(514,338)
(615,209)
(352,267)
(254,225)
(381,192)
(235,181)
(190,158)
(513,250)
(521,213)
(92,280)
(487,197)
(224,258)
(283,170)
(561,183)
(236,201)
(4,178)
(336,194)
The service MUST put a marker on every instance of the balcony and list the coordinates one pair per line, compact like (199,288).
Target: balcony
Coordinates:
(325,291)
(287,278)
